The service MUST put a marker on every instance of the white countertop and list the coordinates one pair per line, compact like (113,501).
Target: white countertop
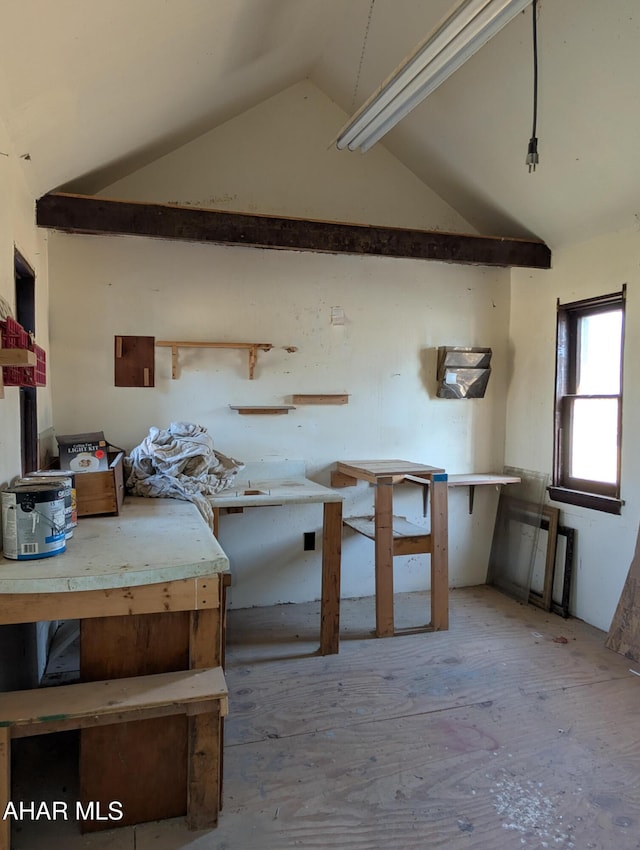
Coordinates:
(151,541)
(252,493)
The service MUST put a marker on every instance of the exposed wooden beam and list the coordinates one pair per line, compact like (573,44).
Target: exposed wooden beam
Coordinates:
(84,214)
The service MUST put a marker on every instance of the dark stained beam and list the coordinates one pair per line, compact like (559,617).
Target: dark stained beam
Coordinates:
(98,216)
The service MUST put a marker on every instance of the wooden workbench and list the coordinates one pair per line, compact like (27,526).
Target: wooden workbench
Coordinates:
(148,589)
(393,535)
(275,483)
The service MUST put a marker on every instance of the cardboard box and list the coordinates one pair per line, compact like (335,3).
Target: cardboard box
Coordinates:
(83,453)
(100,492)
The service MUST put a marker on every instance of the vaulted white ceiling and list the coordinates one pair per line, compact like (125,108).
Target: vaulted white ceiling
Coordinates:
(91,90)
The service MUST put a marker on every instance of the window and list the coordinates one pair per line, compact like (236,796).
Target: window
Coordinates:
(588,404)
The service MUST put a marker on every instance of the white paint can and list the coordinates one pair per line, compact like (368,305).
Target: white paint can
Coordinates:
(58,479)
(33,521)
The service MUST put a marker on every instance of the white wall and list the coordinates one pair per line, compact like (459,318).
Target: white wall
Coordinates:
(18,230)
(397,313)
(605,543)
(279,159)
(276,159)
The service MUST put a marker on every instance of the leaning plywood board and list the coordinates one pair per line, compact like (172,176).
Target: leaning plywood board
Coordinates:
(624,632)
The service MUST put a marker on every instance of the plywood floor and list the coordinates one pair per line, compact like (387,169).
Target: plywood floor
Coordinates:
(514,729)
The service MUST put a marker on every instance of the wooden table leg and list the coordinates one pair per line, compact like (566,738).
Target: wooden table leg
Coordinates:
(439,553)
(204,788)
(207,640)
(331,556)
(384,556)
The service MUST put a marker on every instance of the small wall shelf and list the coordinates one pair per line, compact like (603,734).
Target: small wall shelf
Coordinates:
(255,409)
(17,357)
(251,347)
(320,398)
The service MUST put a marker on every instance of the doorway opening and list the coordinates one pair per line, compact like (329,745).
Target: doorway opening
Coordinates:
(25,282)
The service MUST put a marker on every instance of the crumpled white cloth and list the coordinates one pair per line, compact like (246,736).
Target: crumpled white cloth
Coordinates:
(180,462)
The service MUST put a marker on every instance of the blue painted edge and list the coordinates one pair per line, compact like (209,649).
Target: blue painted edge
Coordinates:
(440,476)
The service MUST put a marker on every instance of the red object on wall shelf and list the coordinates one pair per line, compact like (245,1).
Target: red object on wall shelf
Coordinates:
(14,336)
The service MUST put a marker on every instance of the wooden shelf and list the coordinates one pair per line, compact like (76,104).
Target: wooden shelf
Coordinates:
(321,398)
(17,357)
(255,410)
(470,480)
(407,538)
(251,347)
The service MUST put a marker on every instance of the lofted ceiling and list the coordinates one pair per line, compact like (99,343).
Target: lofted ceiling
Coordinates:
(90,91)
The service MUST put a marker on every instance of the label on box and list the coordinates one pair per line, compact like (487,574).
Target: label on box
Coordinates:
(83,452)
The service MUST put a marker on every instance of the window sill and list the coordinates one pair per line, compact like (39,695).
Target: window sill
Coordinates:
(607,504)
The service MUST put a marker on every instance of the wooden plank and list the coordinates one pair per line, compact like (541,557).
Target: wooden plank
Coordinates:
(320,398)
(97,721)
(383,505)
(465,479)
(182,343)
(206,638)
(331,560)
(83,214)
(121,647)
(340,479)
(371,470)
(439,554)
(5,787)
(17,357)
(265,409)
(134,361)
(142,764)
(401,527)
(204,770)
(624,632)
(205,736)
(40,710)
(420,545)
(180,595)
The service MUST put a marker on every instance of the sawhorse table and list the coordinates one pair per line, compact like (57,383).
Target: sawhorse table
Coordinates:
(395,536)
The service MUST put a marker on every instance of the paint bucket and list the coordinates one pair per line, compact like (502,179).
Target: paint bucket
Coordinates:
(56,478)
(33,524)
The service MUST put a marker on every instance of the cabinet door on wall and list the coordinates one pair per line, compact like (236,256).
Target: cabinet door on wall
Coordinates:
(134,361)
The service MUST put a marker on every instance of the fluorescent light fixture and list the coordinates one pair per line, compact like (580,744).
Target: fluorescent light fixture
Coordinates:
(471,24)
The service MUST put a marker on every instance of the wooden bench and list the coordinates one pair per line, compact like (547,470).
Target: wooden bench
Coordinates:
(200,695)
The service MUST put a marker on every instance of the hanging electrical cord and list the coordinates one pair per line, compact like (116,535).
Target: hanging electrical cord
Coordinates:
(362,52)
(532,152)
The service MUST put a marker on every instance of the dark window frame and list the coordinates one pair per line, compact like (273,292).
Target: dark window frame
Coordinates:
(596,495)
